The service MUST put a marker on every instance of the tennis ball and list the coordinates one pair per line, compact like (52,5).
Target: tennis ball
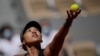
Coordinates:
(74,7)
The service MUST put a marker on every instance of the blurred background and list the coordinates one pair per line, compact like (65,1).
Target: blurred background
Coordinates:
(83,38)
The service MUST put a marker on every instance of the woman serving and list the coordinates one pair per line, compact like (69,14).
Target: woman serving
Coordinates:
(31,37)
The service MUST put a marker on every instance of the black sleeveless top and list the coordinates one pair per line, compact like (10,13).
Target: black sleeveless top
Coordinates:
(40,53)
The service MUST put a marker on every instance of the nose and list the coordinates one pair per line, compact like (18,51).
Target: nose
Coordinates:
(33,32)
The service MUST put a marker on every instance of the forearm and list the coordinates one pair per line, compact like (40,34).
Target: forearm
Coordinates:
(64,30)
(58,40)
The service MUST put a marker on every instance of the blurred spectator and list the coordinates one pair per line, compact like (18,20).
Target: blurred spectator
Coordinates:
(48,32)
(51,5)
(6,32)
(9,44)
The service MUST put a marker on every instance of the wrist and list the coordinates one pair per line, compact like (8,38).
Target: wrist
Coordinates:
(68,22)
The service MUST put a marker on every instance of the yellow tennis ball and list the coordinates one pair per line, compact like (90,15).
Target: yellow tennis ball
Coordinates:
(74,7)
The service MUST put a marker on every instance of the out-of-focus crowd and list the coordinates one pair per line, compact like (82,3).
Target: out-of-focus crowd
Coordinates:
(9,42)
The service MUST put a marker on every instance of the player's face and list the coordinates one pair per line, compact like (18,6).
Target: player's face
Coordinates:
(32,36)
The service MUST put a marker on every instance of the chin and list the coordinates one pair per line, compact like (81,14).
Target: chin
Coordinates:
(36,42)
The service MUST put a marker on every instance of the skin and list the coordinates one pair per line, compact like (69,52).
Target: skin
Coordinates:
(33,38)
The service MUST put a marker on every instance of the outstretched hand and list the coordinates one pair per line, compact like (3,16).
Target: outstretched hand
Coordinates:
(72,15)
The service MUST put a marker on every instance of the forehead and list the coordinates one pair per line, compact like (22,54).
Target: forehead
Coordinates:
(33,28)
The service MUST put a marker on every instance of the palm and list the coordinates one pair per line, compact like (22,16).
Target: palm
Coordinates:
(72,15)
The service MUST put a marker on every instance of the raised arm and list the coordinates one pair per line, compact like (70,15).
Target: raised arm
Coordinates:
(55,46)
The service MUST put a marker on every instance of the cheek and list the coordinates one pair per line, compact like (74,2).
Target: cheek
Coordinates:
(28,37)
(39,34)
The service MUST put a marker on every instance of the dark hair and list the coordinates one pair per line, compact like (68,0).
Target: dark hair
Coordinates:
(28,25)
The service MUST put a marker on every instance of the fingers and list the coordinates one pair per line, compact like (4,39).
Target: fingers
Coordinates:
(78,12)
(68,14)
(73,14)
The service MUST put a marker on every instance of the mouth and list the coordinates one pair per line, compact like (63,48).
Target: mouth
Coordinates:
(34,35)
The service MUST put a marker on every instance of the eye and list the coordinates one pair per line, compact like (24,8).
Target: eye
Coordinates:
(29,30)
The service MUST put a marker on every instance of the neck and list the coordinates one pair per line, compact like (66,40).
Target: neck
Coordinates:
(33,50)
